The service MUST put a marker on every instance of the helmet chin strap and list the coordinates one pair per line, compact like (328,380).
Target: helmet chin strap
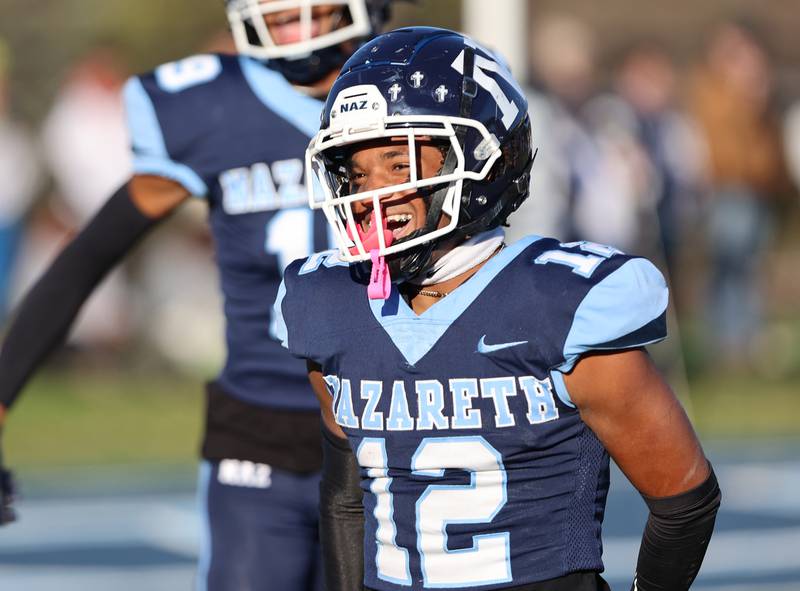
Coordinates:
(312,69)
(410,264)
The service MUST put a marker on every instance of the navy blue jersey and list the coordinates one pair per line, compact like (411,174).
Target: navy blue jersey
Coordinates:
(477,469)
(235,133)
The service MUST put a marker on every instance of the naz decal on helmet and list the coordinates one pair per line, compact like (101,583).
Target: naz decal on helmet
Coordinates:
(354,106)
(356,103)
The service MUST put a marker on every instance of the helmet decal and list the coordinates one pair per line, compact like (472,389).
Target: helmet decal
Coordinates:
(480,68)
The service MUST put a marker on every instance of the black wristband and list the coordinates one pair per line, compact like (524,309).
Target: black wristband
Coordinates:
(7,492)
(676,537)
(341,515)
(43,320)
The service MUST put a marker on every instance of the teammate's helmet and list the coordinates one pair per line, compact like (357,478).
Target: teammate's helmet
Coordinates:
(313,56)
(414,83)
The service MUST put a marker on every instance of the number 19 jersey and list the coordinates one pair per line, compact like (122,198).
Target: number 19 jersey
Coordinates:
(478,471)
(234,133)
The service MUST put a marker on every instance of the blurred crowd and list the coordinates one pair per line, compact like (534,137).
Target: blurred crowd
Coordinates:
(694,165)
(56,179)
(690,165)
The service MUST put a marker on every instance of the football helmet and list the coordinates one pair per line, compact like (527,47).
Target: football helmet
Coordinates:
(423,84)
(313,56)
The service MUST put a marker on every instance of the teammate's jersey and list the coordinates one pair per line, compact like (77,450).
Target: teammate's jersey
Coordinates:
(477,469)
(234,132)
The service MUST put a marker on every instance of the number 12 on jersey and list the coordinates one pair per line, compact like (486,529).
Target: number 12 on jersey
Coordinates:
(488,561)
(582,264)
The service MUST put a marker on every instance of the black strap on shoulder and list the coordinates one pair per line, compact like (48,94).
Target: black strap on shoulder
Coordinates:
(45,316)
(341,515)
(676,537)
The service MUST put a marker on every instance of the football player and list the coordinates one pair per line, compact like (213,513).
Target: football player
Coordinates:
(231,130)
(481,387)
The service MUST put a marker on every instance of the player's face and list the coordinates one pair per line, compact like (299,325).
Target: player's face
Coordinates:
(286,26)
(387,162)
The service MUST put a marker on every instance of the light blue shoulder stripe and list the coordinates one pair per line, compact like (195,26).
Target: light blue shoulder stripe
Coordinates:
(414,336)
(628,299)
(150,154)
(278,329)
(281,97)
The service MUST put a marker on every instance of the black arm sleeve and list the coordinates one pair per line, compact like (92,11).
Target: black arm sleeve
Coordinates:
(341,516)
(676,537)
(47,312)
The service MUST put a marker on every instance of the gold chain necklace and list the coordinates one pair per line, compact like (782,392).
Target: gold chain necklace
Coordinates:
(432,293)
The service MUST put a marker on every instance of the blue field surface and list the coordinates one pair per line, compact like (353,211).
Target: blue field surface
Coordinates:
(92,530)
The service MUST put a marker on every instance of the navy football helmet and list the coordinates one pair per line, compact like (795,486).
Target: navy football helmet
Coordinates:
(314,55)
(428,84)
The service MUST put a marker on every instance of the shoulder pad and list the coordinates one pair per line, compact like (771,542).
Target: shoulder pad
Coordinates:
(624,307)
(305,299)
(596,296)
(166,109)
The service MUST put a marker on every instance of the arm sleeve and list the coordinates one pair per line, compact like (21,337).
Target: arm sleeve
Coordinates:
(341,516)
(49,309)
(149,145)
(676,537)
(625,310)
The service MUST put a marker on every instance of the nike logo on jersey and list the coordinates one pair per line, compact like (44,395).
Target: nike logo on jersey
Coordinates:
(484,348)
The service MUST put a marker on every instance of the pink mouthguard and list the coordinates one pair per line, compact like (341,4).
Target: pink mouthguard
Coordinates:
(380,281)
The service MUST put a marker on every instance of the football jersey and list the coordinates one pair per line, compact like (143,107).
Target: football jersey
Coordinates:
(234,133)
(478,471)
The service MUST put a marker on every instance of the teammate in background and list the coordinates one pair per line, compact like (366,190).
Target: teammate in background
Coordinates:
(231,130)
(483,391)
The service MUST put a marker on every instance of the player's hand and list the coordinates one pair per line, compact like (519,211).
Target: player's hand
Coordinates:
(7,513)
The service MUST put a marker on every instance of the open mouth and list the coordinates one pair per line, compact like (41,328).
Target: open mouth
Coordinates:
(399,224)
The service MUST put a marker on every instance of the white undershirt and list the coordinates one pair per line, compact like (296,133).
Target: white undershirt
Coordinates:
(462,258)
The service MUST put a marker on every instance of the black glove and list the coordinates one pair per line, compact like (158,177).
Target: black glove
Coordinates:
(7,514)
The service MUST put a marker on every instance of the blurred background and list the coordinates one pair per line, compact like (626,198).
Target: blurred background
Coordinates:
(666,129)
